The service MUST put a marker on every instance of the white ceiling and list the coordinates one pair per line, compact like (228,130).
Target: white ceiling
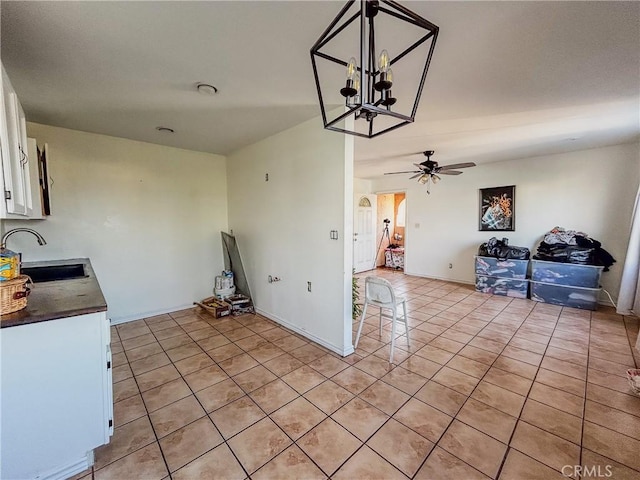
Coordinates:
(508,79)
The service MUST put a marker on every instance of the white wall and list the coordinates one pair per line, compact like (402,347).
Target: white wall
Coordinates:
(591,190)
(149,217)
(282,227)
(361,186)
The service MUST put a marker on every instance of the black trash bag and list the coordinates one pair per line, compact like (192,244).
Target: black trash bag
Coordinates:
(501,249)
(599,255)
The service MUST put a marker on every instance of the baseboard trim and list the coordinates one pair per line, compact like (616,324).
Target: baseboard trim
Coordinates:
(153,313)
(605,302)
(431,277)
(340,351)
(67,471)
(343,352)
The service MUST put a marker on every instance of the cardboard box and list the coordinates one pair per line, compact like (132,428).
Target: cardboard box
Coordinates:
(239,304)
(215,307)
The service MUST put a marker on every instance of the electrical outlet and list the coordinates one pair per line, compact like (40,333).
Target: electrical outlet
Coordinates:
(451,265)
(270,279)
(308,286)
(266,177)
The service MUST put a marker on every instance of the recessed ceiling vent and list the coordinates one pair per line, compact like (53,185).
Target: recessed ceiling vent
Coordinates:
(206,89)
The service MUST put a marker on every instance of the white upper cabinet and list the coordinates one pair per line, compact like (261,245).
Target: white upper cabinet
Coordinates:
(19,166)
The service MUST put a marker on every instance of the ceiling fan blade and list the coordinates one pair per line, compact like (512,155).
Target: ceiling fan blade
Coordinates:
(396,173)
(420,166)
(457,165)
(415,176)
(450,172)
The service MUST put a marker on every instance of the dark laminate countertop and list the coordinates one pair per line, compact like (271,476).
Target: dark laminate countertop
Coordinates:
(59,299)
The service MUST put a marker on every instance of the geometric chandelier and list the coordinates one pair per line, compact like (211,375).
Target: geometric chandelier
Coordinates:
(352,67)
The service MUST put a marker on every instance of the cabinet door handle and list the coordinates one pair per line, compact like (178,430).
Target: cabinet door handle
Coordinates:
(23,156)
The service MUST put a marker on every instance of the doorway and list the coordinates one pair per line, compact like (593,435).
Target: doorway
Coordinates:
(391,229)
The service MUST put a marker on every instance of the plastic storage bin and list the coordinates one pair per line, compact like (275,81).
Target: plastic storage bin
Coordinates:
(568,274)
(494,267)
(508,287)
(567,296)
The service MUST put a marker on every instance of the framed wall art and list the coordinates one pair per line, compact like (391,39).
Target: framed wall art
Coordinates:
(497,209)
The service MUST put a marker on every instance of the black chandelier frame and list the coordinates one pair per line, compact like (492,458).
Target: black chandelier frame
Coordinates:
(366,106)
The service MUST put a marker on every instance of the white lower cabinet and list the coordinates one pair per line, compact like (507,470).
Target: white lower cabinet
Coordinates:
(56,396)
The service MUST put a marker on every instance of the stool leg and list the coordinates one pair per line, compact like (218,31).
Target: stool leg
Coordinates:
(406,324)
(393,334)
(364,312)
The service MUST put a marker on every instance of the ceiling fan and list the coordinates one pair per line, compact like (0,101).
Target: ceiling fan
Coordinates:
(429,170)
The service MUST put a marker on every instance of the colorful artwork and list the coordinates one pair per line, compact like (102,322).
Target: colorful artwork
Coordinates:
(497,208)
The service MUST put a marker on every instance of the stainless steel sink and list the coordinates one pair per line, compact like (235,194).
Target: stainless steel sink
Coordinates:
(52,273)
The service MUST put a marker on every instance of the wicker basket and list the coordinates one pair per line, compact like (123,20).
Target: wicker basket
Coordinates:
(633,375)
(14,293)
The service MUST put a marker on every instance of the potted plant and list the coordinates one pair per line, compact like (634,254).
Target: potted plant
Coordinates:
(356,309)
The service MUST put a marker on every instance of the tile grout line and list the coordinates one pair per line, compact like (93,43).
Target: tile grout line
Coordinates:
(247,394)
(369,355)
(533,381)
(468,396)
(527,398)
(435,444)
(586,386)
(207,414)
(471,393)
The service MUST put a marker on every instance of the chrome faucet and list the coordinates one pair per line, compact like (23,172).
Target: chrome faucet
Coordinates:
(3,242)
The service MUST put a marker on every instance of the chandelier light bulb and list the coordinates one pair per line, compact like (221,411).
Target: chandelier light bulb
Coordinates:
(355,98)
(352,68)
(386,76)
(383,61)
(350,89)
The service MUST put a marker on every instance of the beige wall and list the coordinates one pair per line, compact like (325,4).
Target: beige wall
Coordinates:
(149,217)
(282,227)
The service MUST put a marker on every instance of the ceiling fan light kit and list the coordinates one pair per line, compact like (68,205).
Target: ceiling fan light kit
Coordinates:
(429,171)
(367,89)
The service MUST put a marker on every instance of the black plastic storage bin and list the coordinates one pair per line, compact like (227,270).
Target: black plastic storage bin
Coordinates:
(567,274)
(567,296)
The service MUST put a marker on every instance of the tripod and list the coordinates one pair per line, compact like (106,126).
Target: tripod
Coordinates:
(385,232)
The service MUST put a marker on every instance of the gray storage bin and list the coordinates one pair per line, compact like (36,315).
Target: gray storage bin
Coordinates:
(508,287)
(494,267)
(567,296)
(568,274)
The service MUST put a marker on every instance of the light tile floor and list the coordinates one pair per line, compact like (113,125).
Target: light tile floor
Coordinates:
(488,387)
